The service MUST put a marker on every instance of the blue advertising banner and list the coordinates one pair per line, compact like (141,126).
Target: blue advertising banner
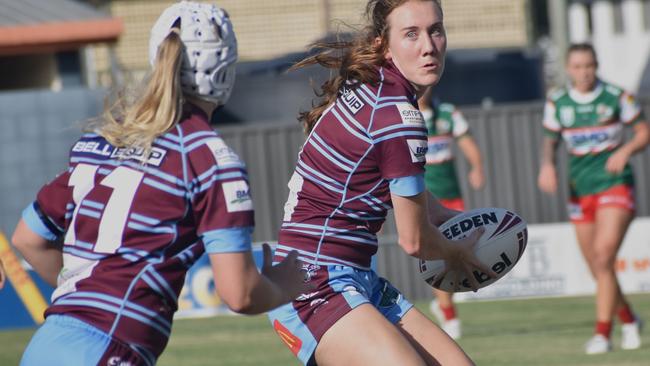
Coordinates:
(15,313)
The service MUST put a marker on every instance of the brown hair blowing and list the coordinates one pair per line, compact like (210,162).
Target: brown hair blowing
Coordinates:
(355,61)
(137,123)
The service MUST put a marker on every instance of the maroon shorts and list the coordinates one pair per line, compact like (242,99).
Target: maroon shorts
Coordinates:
(339,289)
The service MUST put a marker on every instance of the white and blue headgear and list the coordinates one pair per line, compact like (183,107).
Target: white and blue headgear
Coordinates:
(208,67)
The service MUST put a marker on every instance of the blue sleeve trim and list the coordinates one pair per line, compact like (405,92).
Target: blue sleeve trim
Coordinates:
(34,222)
(231,240)
(407,186)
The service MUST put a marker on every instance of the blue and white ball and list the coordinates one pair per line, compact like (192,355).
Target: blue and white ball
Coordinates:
(499,248)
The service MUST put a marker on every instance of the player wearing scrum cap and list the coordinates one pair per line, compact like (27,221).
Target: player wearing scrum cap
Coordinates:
(147,191)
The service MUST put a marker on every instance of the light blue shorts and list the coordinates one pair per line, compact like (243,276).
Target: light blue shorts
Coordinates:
(67,341)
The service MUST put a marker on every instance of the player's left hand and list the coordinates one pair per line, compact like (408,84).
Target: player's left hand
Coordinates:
(288,276)
(460,257)
(616,163)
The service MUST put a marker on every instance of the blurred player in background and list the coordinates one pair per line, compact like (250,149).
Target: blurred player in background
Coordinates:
(365,154)
(147,192)
(445,123)
(590,115)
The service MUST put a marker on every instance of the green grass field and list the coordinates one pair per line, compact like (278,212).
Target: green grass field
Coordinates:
(522,332)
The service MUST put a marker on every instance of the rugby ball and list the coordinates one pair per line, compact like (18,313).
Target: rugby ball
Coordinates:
(499,248)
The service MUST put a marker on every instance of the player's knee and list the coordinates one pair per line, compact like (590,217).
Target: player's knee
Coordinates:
(603,262)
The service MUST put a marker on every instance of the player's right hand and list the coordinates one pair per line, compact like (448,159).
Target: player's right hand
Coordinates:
(476,178)
(288,275)
(547,179)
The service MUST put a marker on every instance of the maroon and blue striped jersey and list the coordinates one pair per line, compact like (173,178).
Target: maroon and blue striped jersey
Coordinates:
(131,226)
(367,144)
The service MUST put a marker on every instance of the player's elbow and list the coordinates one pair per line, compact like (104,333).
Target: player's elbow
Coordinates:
(25,240)
(412,246)
(20,241)
(240,303)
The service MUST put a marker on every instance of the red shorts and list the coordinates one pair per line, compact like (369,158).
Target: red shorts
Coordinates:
(453,203)
(583,209)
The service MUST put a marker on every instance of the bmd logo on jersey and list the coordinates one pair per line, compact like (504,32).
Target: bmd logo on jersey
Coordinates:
(418,150)
(585,140)
(351,100)
(438,145)
(237,196)
(242,196)
(439,149)
(594,137)
(410,114)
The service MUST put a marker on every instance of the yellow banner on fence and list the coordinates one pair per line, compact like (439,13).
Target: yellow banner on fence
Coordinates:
(22,282)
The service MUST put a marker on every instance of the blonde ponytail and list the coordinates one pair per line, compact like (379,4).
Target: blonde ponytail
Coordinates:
(137,124)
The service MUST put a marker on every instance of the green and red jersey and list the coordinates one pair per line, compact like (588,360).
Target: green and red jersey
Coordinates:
(591,125)
(444,124)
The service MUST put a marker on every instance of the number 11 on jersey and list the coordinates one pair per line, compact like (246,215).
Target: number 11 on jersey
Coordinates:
(124,182)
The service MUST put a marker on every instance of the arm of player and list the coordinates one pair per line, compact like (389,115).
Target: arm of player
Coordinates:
(43,255)
(416,235)
(547,178)
(470,149)
(616,163)
(422,240)
(246,291)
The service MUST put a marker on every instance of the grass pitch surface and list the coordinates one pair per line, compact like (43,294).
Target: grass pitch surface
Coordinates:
(545,332)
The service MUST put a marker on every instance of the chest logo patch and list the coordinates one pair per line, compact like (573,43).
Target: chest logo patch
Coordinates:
(605,112)
(567,116)
(410,114)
